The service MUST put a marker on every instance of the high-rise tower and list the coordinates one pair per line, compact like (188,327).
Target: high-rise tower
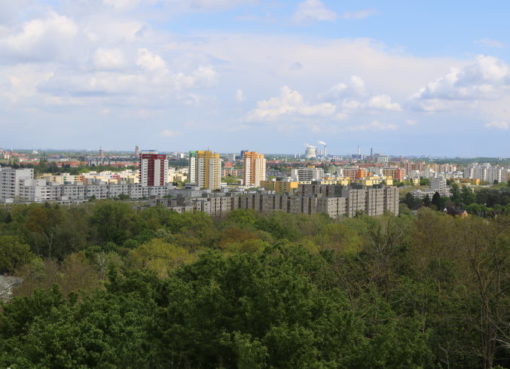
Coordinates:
(153,169)
(205,169)
(254,169)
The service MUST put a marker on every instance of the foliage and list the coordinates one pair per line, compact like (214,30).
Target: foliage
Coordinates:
(13,254)
(152,288)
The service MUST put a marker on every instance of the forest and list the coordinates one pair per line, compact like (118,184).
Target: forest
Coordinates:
(109,285)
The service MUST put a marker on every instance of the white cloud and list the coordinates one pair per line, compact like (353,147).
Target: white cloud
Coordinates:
(352,96)
(490,43)
(151,62)
(383,102)
(499,125)
(290,102)
(313,10)
(487,78)
(41,39)
(109,58)
(354,87)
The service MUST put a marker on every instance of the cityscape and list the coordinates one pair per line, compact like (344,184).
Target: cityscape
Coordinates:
(310,183)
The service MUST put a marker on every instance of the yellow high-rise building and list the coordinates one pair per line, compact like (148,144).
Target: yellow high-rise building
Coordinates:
(205,169)
(254,169)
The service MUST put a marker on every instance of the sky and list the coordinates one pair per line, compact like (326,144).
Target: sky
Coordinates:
(402,77)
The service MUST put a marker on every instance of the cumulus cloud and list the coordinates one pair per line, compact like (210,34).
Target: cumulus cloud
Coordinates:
(487,78)
(383,102)
(150,61)
(41,39)
(499,125)
(313,10)
(342,101)
(354,87)
(109,58)
(290,102)
(352,96)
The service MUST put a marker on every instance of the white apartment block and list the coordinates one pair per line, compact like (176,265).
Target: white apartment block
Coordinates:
(439,185)
(10,180)
(307,174)
(486,173)
(40,190)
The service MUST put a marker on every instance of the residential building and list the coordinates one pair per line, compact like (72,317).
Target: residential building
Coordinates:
(333,200)
(280,186)
(254,169)
(10,181)
(439,185)
(153,169)
(205,169)
(307,174)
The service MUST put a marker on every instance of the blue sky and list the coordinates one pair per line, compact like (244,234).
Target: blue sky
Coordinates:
(429,78)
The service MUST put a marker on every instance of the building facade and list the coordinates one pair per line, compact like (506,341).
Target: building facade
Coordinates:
(307,174)
(254,169)
(10,182)
(319,199)
(153,169)
(205,169)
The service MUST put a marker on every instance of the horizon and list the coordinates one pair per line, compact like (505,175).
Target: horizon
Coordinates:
(330,155)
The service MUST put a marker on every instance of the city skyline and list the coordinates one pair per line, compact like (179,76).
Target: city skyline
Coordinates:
(416,79)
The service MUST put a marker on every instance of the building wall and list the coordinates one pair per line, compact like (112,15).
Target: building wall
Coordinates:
(369,201)
(205,169)
(10,181)
(153,169)
(254,169)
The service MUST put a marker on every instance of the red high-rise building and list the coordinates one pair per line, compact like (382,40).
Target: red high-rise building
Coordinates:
(153,169)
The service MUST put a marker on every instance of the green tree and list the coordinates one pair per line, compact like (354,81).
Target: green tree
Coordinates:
(159,257)
(426,201)
(467,195)
(13,254)
(114,221)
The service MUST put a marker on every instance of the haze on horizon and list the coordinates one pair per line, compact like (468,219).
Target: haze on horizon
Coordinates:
(269,75)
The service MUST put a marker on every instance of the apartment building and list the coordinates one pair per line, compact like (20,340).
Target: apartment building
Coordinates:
(153,169)
(40,190)
(486,173)
(307,174)
(205,169)
(309,201)
(254,169)
(439,185)
(10,181)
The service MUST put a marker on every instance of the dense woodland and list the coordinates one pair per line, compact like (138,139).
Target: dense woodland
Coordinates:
(110,286)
